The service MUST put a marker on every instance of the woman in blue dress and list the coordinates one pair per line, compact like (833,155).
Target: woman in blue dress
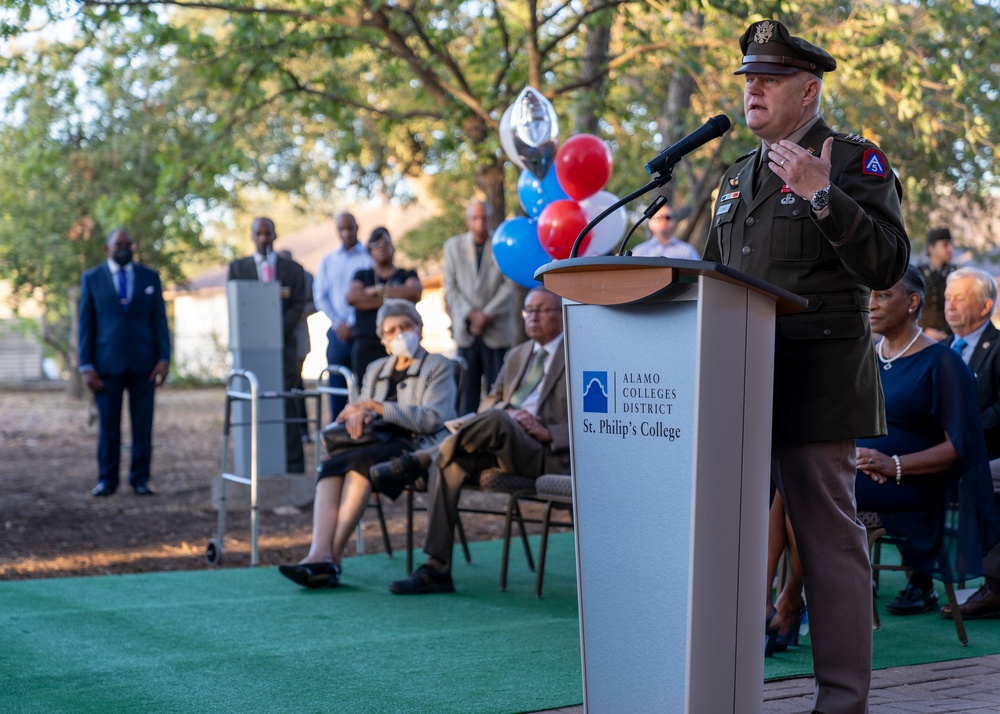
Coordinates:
(933,455)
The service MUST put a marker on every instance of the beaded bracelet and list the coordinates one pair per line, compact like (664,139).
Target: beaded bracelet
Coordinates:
(899,470)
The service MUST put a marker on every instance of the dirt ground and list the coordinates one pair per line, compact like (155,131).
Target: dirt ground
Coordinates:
(50,525)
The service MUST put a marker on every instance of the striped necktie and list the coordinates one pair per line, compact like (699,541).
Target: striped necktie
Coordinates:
(531,379)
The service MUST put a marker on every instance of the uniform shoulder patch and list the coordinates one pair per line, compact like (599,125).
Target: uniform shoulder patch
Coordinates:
(874,163)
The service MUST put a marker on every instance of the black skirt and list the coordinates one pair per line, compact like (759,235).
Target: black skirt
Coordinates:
(363,458)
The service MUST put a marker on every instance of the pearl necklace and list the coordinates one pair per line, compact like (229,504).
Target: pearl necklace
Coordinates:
(887,361)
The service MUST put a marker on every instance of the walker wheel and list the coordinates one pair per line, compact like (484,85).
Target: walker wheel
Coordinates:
(213,552)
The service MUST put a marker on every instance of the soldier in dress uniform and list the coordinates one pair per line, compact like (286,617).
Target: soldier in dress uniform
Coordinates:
(817,213)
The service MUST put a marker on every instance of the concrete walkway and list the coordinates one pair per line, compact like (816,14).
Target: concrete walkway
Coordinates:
(964,686)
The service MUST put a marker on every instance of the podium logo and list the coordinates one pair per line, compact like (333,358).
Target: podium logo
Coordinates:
(595,392)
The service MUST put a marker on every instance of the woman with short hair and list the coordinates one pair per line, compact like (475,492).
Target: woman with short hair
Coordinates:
(411,390)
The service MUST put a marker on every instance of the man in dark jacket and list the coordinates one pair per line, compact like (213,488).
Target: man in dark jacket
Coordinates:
(816,213)
(267,266)
(969,300)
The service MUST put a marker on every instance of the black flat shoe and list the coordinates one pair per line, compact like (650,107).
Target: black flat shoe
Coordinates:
(312,575)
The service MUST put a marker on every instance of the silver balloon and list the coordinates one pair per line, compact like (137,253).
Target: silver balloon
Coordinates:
(536,131)
(507,138)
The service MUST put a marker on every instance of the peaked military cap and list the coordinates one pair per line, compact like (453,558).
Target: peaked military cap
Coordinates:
(768,48)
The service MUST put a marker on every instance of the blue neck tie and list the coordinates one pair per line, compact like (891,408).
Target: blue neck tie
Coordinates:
(122,288)
(959,345)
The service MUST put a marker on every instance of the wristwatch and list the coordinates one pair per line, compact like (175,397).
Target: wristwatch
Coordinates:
(820,199)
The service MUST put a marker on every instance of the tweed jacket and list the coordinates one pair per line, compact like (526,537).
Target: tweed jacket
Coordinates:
(826,384)
(467,288)
(292,278)
(985,362)
(552,407)
(424,400)
(114,340)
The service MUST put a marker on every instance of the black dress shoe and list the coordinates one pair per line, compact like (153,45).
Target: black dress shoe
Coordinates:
(392,476)
(312,575)
(103,488)
(913,600)
(143,490)
(424,579)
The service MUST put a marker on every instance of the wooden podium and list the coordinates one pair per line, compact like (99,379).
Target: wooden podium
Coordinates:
(669,367)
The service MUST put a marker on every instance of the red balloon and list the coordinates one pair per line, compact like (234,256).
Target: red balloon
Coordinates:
(558,226)
(583,165)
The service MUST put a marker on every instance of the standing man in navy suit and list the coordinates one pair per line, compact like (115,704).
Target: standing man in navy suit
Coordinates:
(124,345)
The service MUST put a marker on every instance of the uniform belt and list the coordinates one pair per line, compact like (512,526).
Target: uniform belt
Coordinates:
(838,302)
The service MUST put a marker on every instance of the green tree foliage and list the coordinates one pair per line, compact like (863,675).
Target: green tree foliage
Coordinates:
(363,94)
(95,139)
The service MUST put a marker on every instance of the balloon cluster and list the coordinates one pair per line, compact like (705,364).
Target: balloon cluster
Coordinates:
(560,189)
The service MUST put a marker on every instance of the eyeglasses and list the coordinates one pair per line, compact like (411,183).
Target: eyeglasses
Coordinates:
(537,311)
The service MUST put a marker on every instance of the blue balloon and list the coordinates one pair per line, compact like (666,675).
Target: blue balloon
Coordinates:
(517,251)
(536,194)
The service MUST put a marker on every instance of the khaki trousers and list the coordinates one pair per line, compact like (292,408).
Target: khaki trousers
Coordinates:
(816,481)
(491,439)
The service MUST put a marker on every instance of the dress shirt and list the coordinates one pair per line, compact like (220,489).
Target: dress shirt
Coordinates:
(673,248)
(272,259)
(533,400)
(971,341)
(333,280)
(129,277)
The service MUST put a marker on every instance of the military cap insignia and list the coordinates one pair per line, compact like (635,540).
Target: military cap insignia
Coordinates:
(874,163)
(765,31)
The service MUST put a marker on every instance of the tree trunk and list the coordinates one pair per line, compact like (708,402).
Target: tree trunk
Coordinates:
(74,385)
(595,58)
(489,180)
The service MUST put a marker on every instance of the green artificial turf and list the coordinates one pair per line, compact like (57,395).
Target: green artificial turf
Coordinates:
(249,640)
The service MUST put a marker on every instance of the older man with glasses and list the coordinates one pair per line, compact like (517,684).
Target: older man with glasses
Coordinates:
(663,244)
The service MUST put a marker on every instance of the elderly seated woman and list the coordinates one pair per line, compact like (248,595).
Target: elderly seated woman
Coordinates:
(933,455)
(413,391)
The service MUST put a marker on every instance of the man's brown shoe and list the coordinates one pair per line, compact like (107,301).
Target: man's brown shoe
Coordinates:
(981,605)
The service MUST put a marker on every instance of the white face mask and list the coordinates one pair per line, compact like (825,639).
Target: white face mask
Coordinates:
(404,344)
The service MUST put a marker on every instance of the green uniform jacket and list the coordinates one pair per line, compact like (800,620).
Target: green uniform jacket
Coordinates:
(826,383)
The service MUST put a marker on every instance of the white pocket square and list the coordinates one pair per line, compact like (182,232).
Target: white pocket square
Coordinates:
(149,290)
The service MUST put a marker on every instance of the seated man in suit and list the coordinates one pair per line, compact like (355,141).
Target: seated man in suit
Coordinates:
(267,266)
(522,427)
(124,345)
(969,300)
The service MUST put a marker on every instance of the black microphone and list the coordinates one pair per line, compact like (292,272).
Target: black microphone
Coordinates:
(712,129)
